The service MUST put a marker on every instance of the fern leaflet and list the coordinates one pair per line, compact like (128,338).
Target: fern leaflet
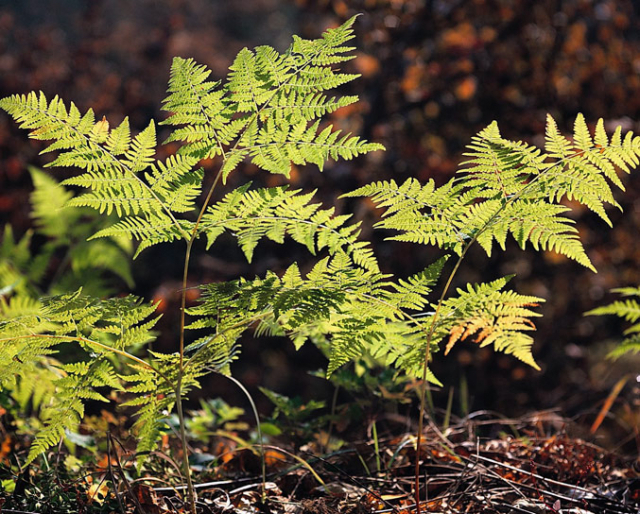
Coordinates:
(629,310)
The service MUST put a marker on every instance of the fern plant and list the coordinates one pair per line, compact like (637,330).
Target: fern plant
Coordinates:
(270,112)
(64,262)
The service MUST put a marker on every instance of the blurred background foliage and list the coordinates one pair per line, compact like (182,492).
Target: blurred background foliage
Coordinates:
(434,72)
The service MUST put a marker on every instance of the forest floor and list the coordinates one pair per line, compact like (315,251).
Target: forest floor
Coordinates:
(481,464)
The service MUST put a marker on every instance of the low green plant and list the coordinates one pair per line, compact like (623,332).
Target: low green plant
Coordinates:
(628,310)
(270,112)
(65,259)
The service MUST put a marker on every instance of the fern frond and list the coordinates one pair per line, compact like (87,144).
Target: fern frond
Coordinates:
(629,310)
(352,311)
(511,188)
(36,385)
(111,159)
(65,409)
(154,401)
(488,315)
(31,330)
(584,168)
(628,345)
(274,213)
(48,201)
(150,230)
(422,213)
(19,270)
(267,109)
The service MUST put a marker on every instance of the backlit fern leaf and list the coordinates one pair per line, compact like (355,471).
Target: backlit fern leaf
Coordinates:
(488,315)
(267,109)
(31,331)
(629,310)
(112,161)
(274,213)
(584,166)
(348,310)
(150,230)
(153,400)
(65,409)
(511,188)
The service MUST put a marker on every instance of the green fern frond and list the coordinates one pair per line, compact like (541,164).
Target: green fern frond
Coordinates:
(297,106)
(153,400)
(585,166)
(422,213)
(628,345)
(176,183)
(277,147)
(511,188)
(111,159)
(268,112)
(32,330)
(65,409)
(274,213)
(19,270)
(354,311)
(267,109)
(36,385)
(629,310)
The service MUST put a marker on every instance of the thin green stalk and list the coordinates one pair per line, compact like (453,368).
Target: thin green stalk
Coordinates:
(191,493)
(376,445)
(334,404)
(427,358)
(259,429)
(181,368)
(447,414)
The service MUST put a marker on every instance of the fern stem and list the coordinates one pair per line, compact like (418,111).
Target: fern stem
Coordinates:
(191,493)
(183,307)
(425,365)
(259,429)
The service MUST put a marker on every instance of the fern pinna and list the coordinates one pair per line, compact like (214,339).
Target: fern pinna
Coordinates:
(629,310)
(270,112)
